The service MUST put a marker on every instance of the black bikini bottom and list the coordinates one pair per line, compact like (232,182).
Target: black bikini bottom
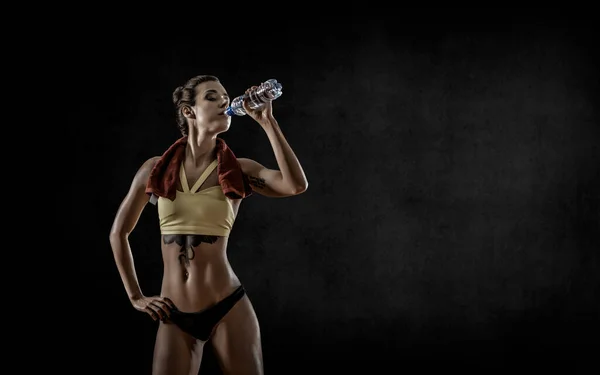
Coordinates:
(200,324)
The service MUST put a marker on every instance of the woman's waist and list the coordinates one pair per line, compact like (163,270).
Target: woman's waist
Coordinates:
(196,293)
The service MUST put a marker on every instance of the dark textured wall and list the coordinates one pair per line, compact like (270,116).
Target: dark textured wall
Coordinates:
(452,211)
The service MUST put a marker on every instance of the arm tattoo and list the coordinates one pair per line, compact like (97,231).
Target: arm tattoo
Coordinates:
(257,181)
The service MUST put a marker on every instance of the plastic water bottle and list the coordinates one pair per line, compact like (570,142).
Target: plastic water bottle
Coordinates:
(267,91)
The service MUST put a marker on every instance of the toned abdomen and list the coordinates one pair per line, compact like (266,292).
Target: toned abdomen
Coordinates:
(197,274)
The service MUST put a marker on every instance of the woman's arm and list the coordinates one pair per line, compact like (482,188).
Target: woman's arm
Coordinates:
(125,220)
(290,178)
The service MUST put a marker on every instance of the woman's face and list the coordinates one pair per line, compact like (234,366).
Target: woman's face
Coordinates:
(211,102)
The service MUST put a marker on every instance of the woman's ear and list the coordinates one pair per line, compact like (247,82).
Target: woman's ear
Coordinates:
(188,112)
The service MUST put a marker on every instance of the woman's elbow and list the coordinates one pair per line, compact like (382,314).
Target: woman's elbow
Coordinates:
(300,188)
(114,237)
(117,234)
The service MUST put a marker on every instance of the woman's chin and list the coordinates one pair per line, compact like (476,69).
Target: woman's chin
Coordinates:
(221,126)
(225,127)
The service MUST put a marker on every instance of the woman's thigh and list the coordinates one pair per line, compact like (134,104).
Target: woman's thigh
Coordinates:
(237,341)
(176,352)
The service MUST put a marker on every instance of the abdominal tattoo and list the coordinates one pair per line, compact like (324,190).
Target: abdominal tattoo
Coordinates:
(257,181)
(187,244)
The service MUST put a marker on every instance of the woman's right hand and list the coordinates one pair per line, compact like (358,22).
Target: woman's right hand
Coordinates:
(157,307)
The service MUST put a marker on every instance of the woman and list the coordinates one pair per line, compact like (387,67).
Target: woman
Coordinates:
(198,185)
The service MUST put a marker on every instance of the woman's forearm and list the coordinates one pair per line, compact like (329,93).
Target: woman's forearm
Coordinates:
(125,265)
(292,173)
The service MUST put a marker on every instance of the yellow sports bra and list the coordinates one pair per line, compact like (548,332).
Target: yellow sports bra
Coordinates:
(204,212)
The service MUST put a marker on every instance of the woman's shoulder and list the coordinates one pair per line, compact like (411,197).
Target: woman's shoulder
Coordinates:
(151,162)
(147,166)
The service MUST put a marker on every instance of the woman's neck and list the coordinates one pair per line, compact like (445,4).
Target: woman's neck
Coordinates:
(200,148)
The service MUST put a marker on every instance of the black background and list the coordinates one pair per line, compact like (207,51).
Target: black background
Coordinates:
(452,210)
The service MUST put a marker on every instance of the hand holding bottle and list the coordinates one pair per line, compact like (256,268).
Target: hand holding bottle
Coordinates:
(259,114)
(255,97)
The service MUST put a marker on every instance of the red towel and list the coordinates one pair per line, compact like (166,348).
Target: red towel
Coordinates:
(163,177)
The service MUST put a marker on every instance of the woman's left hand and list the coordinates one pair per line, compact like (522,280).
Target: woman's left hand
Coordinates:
(260,114)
